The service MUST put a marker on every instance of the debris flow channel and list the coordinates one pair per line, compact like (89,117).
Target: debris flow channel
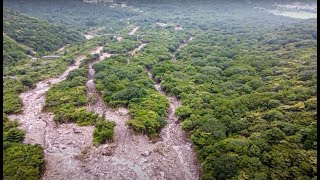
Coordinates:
(69,151)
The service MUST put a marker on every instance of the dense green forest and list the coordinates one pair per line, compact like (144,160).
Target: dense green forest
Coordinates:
(75,14)
(12,51)
(247,81)
(37,34)
(248,114)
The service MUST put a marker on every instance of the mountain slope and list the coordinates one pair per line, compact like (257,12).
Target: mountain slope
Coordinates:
(37,34)
(12,51)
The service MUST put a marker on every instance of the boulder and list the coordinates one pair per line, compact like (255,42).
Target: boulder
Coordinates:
(159,147)
(75,130)
(106,150)
(146,153)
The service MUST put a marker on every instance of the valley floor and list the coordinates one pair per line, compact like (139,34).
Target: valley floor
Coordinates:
(70,153)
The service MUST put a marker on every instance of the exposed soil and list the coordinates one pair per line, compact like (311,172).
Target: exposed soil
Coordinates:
(95,101)
(119,38)
(69,151)
(161,24)
(134,156)
(133,31)
(135,51)
(174,137)
(182,45)
(61,142)
(63,47)
(91,34)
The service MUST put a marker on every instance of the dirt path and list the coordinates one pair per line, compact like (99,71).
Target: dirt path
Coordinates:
(93,33)
(133,31)
(96,105)
(135,51)
(182,45)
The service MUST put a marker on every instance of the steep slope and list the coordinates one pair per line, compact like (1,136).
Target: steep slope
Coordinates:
(37,34)
(22,35)
(12,51)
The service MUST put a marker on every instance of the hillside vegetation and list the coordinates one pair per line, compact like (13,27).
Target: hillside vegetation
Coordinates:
(22,34)
(38,34)
(247,82)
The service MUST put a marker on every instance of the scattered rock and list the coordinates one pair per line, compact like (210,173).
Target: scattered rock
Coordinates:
(106,150)
(146,153)
(159,147)
(112,145)
(75,130)
(86,170)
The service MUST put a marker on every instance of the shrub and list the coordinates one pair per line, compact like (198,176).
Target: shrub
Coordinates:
(103,131)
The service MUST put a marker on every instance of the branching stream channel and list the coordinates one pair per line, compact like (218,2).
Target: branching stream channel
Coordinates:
(69,151)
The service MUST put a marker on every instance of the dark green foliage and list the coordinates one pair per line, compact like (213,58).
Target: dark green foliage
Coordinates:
(21,161)
(37,34)
(127,94)
(103,131)
(146,121)
(13,135)
(309,139)
(129,85)
(247,82)
(223,167)
(12,51)
(118,47)
(241,102)
(78,15)
(273,115)
(12,103)
(274,135)
(68,100)
(183,112)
